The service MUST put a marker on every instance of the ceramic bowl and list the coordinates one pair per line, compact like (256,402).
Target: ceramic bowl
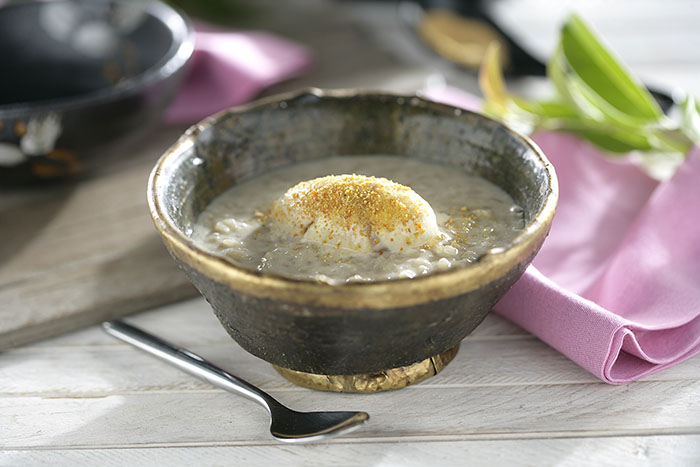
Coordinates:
(356,328)
(77,75)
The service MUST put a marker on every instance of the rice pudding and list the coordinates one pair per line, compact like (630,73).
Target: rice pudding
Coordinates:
(381,218)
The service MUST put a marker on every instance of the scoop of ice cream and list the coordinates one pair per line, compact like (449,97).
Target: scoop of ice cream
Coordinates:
(356,212)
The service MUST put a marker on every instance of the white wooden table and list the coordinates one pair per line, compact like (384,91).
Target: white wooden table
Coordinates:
(507,398)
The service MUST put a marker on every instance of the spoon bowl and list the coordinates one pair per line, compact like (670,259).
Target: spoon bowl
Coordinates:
(292,426)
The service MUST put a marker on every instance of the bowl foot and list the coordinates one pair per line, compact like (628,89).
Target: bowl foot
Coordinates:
(386,380)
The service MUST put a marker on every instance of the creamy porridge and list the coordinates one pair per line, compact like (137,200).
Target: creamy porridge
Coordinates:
(385,217)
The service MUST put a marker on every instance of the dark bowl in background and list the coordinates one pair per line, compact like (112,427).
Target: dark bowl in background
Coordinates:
(354,328)
(79,75)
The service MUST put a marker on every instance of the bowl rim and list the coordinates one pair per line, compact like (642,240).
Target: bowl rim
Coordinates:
(372,295)
(177,56)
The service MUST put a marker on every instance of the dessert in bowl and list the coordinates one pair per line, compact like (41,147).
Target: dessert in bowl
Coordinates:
(357,228)
(447,208)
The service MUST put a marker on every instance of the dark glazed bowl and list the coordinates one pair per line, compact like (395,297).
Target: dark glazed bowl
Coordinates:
(363,327)
(77,75)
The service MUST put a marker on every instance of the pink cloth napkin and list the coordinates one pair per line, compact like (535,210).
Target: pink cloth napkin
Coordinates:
(229,68)
(616,286)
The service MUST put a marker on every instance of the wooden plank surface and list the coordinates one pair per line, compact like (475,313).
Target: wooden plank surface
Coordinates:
(87,396)
(633,451)
(76,254)
(521,359)
(677,451)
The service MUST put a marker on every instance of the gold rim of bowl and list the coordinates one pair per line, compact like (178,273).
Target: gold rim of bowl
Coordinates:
(374,295)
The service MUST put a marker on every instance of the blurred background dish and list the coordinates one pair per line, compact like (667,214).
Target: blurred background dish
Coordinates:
(79,75)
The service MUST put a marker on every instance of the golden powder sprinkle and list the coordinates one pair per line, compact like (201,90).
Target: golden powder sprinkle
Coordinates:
(370,207)
(356,199)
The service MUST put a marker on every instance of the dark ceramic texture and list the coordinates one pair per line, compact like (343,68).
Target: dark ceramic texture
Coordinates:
(330,341)
(301,328)
(79,75)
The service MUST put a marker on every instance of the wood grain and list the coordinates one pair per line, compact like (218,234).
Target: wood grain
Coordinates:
(504,384)
(76,254)
(208,418)
(637,451)
(484,360)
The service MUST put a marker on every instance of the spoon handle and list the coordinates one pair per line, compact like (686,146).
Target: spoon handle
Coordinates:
(187,361)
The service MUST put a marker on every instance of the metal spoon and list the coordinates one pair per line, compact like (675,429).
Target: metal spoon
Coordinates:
(286,424)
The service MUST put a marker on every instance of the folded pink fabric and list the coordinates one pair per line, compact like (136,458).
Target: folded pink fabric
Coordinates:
(616,286)
(229,68)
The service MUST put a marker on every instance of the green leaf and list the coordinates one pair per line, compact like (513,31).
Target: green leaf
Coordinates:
(691,118)
(570,88)
(597,99)
(546,109)
(603,74)
(671,140)
(492,83)
(611,141)
(588,101)
(556,72)
(608,137)
(564,79)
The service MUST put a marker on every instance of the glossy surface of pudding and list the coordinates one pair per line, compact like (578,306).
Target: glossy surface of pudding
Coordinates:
(386,218)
